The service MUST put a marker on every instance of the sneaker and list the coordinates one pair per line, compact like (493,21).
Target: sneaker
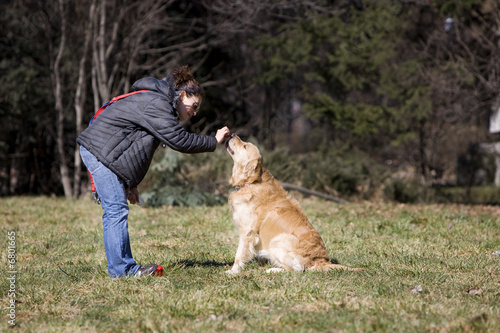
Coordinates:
(150,270)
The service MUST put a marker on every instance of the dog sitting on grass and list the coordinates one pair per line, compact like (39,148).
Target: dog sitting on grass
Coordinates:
(272,226)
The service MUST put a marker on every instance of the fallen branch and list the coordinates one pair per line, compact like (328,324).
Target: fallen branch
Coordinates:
(288,186)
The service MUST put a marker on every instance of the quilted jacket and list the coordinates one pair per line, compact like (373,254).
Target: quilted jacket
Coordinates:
(126,134)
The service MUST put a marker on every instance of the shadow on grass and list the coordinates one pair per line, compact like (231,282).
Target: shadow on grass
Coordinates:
(213,263)
(194,263)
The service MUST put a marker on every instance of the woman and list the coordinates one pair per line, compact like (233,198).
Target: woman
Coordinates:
(119,144)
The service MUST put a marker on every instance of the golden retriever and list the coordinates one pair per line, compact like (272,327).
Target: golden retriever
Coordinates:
(272,226)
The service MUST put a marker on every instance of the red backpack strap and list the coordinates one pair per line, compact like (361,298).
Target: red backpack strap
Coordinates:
(114,100)
(96,196)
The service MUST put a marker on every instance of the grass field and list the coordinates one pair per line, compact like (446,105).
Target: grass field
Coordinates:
(429,268)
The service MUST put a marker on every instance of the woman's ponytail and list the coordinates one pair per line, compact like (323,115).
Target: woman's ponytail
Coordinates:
(185,81)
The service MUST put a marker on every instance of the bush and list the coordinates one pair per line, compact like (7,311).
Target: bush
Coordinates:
(407,191)
(202,179)
(483,195)
(333,171)
(169,195)
(177,179)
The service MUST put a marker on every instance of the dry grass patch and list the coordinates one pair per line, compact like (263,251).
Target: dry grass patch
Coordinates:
(428,268)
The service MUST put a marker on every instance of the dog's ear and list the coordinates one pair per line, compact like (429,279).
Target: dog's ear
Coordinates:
(253,171)
(248,173)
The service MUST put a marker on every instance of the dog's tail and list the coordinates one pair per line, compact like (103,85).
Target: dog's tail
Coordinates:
(325,265)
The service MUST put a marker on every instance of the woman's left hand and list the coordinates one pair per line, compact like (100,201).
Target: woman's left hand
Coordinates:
(133,195)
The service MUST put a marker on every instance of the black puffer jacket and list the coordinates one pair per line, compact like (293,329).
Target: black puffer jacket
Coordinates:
(126,134)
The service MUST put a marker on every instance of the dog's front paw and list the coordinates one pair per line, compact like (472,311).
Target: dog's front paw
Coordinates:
(274,270)
(233,271)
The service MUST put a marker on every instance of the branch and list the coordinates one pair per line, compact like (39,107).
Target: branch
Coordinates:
(288,186)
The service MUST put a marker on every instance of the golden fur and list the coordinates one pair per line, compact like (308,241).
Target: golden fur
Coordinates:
(271,224)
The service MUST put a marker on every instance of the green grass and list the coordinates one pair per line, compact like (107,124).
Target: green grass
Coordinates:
(62,283)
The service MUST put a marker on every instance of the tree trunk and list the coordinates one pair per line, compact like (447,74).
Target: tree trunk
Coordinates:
(63,166)
(422,147)
(80,100)
(100,55)
(266,130)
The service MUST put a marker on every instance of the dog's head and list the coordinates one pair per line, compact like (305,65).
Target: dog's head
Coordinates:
(247,159)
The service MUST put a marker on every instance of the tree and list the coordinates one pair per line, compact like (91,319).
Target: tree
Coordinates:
(57,86)
(387,74)
(409,81)
(26,129)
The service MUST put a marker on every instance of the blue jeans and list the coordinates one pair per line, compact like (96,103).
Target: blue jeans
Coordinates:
(111,191)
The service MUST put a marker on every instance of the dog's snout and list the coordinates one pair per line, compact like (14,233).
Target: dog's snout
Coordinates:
(232,135)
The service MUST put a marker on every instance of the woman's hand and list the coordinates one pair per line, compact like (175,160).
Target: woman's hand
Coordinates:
(133,195)
(222,133)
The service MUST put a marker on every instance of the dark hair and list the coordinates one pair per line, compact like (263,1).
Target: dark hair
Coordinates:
(184,81)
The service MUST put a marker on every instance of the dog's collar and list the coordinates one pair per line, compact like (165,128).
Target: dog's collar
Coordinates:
(237,188)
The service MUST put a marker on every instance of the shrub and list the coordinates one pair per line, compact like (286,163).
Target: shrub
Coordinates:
(406,191)
(483,195)
(202,179)
(331,171)
(177,179)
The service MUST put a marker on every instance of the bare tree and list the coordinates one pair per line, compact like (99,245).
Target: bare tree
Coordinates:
(57,86)
(462,72)
(80,97)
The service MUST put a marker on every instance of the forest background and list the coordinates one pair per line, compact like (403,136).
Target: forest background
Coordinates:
(351,98)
